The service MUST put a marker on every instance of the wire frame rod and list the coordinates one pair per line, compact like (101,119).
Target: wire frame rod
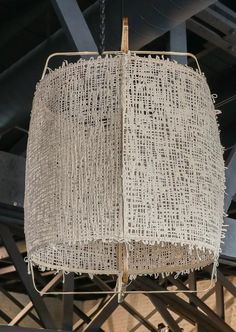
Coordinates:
(119,52)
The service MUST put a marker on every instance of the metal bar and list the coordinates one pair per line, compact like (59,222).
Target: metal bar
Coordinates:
(127,306)
(20,147)
(103,314)
(12,179)
(29,306)
(108,308)
(19,304)
(230,177)
(74,25)
(226,283)
(91,314)
(161,307)
(178,42)
(137,326)
(82,54)
(81,314)
(9,211)
(210,313)
(21,268)
(224,10)
(208,48)
(200,328)
(203,298)
(5,316)
(180,306)
(139,317)
(11,221)
(219,293)
(228,247)
(217,20)
(24,329)
(68,300)
(84,316)
(210,35)
(192,282)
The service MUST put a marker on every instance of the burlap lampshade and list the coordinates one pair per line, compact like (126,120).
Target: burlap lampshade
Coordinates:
(124,169)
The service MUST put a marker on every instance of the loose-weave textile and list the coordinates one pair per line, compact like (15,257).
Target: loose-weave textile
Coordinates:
(123,159)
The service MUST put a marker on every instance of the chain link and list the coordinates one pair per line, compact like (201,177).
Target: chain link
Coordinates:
(102,5)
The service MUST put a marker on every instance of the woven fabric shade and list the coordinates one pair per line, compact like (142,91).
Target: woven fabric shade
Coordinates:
(124,169)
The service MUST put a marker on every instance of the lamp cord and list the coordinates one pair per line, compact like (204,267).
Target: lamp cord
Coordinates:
(102,7)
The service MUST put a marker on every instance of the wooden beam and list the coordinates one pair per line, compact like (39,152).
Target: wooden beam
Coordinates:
(20,245)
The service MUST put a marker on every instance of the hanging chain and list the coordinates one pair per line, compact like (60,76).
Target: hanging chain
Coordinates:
(102,25)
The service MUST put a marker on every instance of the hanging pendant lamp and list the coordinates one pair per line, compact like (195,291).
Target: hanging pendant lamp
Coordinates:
(125,174)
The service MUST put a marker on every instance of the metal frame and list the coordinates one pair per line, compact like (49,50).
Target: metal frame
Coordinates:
(74,24)
(21,268)
(87,53)
(178,42)
(67,309)
(222,19)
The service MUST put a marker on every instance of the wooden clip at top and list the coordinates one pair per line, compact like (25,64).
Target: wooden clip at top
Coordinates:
(125,35)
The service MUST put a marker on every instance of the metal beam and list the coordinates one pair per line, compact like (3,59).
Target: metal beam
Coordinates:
(108,309)
(149,326)
(138,325)
(24,329)
(67,300)
(21,268)
(192,284)
(105,311)
(86,318)
(211,36)
(198,302)
(219,17)
(74,25)
(12,179)
(230,176)
(228,254)
(226,283)
(25,16)
(220,306)
(81,314)
(103,314)
(180,306)
(19,305)
(4,316)
(29,306)
(192,281)
(12,215)
(203,298)
(126,306)
(20,147)
(21,77)
(161,307)
(178,42)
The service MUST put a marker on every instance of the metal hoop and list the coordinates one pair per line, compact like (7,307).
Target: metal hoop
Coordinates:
(118,291)
(118,52)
